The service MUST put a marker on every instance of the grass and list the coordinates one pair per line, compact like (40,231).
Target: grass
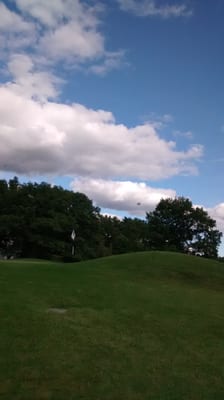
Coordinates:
(145,326)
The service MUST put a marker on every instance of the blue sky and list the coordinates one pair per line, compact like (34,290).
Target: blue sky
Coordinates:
(120,99)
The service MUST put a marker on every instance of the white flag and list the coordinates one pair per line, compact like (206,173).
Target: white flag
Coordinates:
(73,235)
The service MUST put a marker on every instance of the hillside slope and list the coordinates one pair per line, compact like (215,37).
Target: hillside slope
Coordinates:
(166,265)
(136,326)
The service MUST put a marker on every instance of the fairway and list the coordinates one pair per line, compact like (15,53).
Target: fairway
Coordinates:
(146,326)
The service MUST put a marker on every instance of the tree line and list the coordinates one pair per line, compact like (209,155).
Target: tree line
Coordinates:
(36,220)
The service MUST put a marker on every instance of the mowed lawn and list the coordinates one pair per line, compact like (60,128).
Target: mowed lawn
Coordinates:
(132,327)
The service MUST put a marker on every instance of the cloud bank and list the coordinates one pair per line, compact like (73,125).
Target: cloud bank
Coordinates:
(56,31)
(134,197)
(39,136)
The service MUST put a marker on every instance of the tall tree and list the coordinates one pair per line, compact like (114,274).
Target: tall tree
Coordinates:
(177,225)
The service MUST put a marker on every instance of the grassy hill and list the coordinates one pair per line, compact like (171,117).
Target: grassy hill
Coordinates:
(131,327)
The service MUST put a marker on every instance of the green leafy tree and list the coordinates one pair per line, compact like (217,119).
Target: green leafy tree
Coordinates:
(36,220)
(39,219)
(135,231)
(113,242)
(175,224)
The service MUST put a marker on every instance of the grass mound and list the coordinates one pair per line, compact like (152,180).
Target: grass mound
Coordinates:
(137,326)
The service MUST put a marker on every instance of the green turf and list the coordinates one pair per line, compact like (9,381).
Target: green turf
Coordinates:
(133,327)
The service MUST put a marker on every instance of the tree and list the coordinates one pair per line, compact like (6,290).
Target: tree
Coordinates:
(175,224)
(113,242)
(36,220)
(135,231)
(39,219)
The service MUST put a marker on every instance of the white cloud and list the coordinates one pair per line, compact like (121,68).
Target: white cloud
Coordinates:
(9,20)
(29,82)
(55,31)
(72,139)
(73,42)
(133,197)
(113,60)
(15,31)
(46,12)
(217,213)
(144,8)
(70,29)
(158,121)
(54,13)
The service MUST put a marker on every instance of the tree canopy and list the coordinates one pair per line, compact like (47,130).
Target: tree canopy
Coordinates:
(36,220)
(39,219)
(177,225)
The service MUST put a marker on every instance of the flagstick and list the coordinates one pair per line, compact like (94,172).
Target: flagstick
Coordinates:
(73,235)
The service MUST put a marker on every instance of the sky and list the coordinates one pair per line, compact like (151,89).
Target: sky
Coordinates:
(122,100)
